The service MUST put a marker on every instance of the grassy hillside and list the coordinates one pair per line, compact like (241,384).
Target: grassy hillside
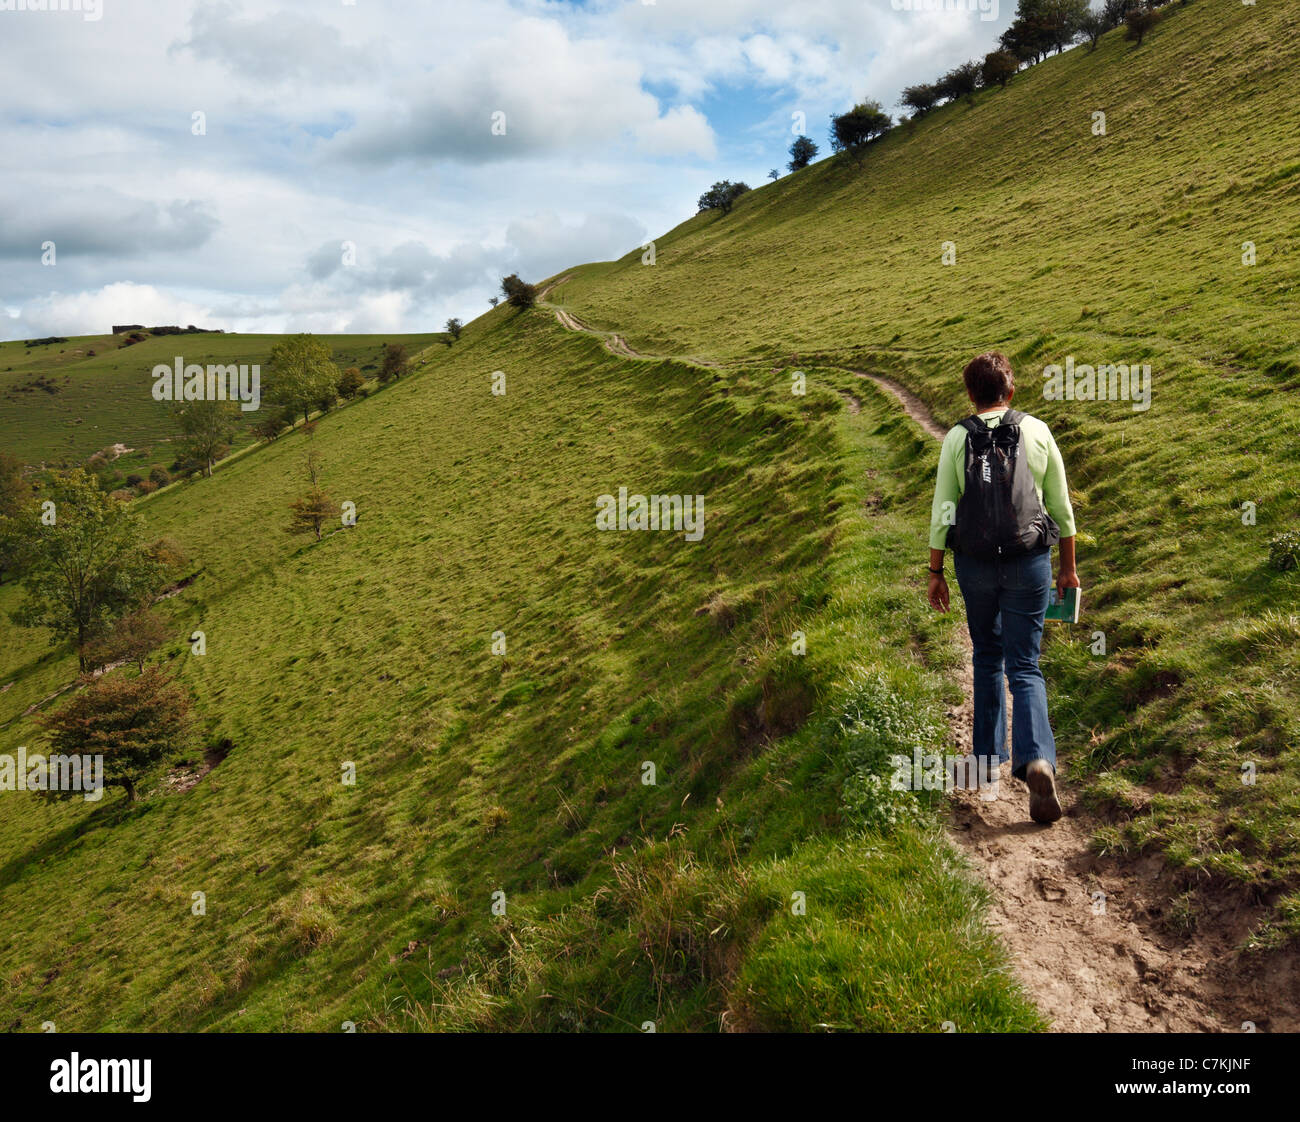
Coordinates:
(768,879)
(62,402)
(1122,248)
(478,773)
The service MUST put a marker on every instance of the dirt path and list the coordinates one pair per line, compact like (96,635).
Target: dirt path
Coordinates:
(1090,937)
(1080,928)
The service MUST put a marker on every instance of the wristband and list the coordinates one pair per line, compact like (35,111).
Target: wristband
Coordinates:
(937,572)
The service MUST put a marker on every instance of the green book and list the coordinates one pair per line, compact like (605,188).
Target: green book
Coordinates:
(1064,610)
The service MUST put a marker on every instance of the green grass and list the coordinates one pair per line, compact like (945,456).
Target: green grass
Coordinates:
(105,398)
(1118,248)
(521,774)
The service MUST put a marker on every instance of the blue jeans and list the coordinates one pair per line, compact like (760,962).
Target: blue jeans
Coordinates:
(1005,602)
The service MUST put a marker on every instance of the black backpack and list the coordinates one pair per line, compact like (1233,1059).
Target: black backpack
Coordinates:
(1000,514)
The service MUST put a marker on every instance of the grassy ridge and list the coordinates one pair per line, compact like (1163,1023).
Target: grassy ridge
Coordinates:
(1123,248)
(105,398)
(522,774)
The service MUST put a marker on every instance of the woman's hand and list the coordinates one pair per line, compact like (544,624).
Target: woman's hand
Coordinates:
(939,592)
(1066,577)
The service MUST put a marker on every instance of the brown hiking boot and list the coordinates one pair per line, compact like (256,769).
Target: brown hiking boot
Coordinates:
(1044,806)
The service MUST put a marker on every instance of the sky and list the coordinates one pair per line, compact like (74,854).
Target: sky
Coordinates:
(378,166)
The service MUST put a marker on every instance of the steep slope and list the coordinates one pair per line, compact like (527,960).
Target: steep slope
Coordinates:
(768,879)
(1128,247)
(522,773)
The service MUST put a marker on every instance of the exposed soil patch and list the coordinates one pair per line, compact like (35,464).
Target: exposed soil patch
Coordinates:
(184,779)
(179,586)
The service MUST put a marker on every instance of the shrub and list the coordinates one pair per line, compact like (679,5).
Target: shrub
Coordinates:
(999,68)
(310,513)
(802,152)
(518,292)
(133,722)
(132,639)
(160,476)
(350,383)
(394,363)
(1284,551)
(852,131)
(722,196)
(960,81)
(1140,21)
(167,554)
(921,98)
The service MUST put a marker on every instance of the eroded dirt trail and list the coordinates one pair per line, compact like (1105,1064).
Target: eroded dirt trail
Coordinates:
(1088,936)
(1079,927)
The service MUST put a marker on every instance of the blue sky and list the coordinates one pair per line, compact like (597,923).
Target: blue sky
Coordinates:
(325,166)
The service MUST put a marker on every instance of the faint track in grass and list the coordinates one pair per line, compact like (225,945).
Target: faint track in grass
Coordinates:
(1085,932)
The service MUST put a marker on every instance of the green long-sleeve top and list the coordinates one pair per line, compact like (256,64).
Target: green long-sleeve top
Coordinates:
(1045,465)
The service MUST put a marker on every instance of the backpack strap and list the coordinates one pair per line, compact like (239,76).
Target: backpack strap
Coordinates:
(1012,417)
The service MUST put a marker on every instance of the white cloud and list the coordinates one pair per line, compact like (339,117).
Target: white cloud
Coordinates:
(682,131)
(85,313)
(371,123)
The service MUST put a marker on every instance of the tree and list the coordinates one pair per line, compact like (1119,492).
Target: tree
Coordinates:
(774,175)
(350,383)
(722,196)
(1115,12)
(132,722)
(518,292)
(454,328)
(960,81)
(494,300)
(308,513)
(89,568)
(1027,38)
(273,424)
(998,69)
(207,428)
(300,372)
(1140,21)
(1041,26)
(920,98)
(133,638)
(1092,27)
(802,152)
(1062,20)
(395,363)
(852,131)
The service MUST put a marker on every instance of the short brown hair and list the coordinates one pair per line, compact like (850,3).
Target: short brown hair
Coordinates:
(989,378)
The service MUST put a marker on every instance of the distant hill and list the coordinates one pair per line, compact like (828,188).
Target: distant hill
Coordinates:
(61,402)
